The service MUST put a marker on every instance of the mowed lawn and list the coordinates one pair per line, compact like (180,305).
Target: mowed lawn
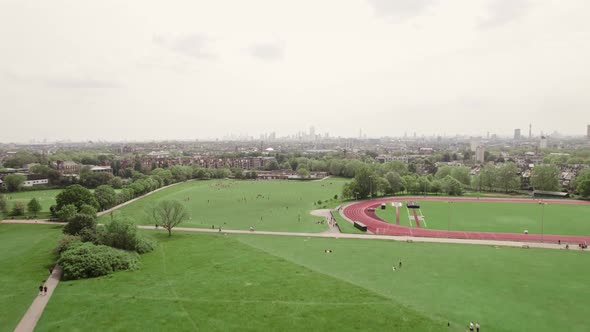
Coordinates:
(234,204)
(505,289)
(499,217)
(214,282)
(45,197)
(26,252)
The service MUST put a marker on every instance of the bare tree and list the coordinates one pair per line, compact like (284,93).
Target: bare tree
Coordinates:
(169,214)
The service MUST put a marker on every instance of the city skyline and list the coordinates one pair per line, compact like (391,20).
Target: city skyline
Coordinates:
(197,70)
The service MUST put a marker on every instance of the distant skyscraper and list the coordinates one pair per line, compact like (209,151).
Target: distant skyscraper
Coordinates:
(480,154)
(543,142)
(530,131)
(473,145)
(588,131)
(516,134)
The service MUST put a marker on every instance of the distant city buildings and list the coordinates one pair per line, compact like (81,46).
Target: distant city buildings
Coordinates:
(588,131)
(543,142)
(516,134)
(480,154)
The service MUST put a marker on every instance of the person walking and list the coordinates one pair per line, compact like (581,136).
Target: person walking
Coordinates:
(400,264)
(477,326)
(41,290)
(471,326)
(45,289)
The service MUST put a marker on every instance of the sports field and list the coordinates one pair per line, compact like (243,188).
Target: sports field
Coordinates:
(503,217)
(233,204)
(45,197)
(254,283)
(26,252)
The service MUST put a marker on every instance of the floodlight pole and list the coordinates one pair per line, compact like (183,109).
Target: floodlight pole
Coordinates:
(542,221)
(371,186)
(449,220)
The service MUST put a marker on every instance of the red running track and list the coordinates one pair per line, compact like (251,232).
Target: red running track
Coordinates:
(364,212)
(416,218)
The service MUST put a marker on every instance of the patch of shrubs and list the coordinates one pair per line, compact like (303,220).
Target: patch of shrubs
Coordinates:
(122,234)
(87,260)
(88,251)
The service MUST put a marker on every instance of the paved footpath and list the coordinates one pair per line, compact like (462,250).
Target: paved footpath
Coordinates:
(31,317)
(332,228)
(329,234)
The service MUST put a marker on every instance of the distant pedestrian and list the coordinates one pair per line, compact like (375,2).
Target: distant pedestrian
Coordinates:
(400,264)
(219,229)
(477,326)
(41,290)
(471,326)
(45,289)
(156,226)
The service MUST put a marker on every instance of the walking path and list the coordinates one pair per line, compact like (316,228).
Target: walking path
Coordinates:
(329,234)
(31,317)
(136,198)
(380,237)
(332,228)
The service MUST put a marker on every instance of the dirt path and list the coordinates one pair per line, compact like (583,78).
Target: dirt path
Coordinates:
(31,317)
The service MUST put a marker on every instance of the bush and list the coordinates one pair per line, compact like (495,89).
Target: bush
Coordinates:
(88,260)
(66,213)
(79,223)
(18,209)
(88,210)
(66,242)
(122,234)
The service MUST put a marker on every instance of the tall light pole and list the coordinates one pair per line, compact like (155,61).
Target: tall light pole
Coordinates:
(449,219)
(542,221)
(371,186)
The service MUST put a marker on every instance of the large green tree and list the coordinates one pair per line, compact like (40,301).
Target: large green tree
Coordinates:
(507,177)
(545,177)
(582,183)
(14,182)
(34,206)
(169,214)
(395,182)
(105,196)
(76,195)
(3,204)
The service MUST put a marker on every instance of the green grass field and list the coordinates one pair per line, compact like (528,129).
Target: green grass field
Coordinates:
(212,282)
(499,217)
(45,197)
(26,252)
(259,283)
(231,204)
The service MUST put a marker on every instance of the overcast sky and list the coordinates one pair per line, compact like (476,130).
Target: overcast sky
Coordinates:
(139,69)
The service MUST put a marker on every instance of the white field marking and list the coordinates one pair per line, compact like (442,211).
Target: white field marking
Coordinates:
(422,219)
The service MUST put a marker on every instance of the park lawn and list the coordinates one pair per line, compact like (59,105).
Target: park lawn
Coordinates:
(239,204)
(505,289)
(26,253)
(214,282)
(499,217)
(45,197)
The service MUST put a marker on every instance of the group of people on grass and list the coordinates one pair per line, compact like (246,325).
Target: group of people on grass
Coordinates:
(473,327)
